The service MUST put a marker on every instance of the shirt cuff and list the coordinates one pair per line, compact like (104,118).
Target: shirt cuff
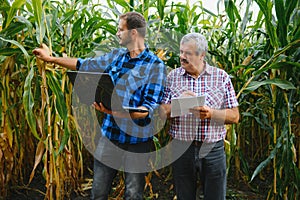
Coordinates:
(78,64)
(151,110)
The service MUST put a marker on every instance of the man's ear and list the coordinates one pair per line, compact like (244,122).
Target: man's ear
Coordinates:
(134,32)
(203,55)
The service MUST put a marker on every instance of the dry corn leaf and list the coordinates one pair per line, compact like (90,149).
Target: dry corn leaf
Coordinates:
(38,157)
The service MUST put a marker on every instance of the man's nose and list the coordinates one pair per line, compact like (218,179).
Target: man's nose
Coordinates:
(182,56)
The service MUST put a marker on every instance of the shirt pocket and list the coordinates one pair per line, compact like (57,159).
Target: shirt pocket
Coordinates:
(134,87)
(136,79)
(215,97)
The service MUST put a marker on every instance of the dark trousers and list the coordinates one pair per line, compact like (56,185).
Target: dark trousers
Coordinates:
(209,162)
(106,165)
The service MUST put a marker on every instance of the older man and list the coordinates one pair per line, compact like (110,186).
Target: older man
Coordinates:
(204,127)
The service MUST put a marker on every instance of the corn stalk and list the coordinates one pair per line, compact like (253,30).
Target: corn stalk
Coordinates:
(248,50)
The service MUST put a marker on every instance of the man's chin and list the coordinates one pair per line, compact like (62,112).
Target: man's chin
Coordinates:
(183,64)
(122,44)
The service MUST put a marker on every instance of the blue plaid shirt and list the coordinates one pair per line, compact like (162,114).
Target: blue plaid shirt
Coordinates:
(138,82)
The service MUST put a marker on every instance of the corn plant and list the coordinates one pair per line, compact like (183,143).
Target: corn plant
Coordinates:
(40,133)
(265,78)
(282,67)
(44,94)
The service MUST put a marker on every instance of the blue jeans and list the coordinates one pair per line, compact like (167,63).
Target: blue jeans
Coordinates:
(104,175)
(209,162)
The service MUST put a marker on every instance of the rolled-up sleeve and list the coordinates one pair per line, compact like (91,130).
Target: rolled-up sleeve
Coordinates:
(154,90)
(98,63)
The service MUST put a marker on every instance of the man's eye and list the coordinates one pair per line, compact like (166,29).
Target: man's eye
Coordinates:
(186,53)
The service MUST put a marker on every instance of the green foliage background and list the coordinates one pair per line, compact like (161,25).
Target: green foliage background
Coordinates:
(261,53)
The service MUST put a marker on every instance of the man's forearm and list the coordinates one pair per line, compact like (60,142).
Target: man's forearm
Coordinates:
(69,63)
(226,116)
(165,111)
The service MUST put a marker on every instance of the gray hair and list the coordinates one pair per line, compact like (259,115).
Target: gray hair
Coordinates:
(198,39)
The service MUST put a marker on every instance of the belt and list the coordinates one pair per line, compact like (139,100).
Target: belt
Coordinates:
(199,143)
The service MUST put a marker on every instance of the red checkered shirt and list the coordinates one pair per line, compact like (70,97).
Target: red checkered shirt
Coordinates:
(216,85)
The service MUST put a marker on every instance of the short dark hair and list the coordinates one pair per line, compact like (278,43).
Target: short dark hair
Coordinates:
(135,20)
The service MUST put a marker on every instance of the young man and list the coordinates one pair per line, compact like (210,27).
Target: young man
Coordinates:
(204,127)
(138,76)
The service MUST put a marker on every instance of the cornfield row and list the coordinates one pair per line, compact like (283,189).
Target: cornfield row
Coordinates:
(39,126)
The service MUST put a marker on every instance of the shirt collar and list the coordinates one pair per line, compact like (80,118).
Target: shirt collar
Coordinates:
(143,55)
(207,70)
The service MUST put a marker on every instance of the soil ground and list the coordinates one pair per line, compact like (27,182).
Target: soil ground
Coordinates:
(161,183)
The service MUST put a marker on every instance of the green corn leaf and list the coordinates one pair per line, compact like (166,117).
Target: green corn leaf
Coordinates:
(145,10)
(25,22)
(244,164)
(28,102)
(263,164)
(77,29)
(17,4)
(9,51)
(282,23)
(161,4)
(67,16)
(278,65)
(157,147)
(85,2)
(38,16)
(283,84)
(20,46)
(232,11)
(236,12)
(13,29)
(297,176)
(266,7)
(64,139)
(60,105)
(290,5)
(233,136)
(38,11)
(123,4)
(245,20)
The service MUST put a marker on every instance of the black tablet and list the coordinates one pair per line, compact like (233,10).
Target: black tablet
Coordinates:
(93,87)
(97,87)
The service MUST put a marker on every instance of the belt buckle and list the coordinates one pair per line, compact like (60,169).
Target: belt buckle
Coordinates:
(197,143)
